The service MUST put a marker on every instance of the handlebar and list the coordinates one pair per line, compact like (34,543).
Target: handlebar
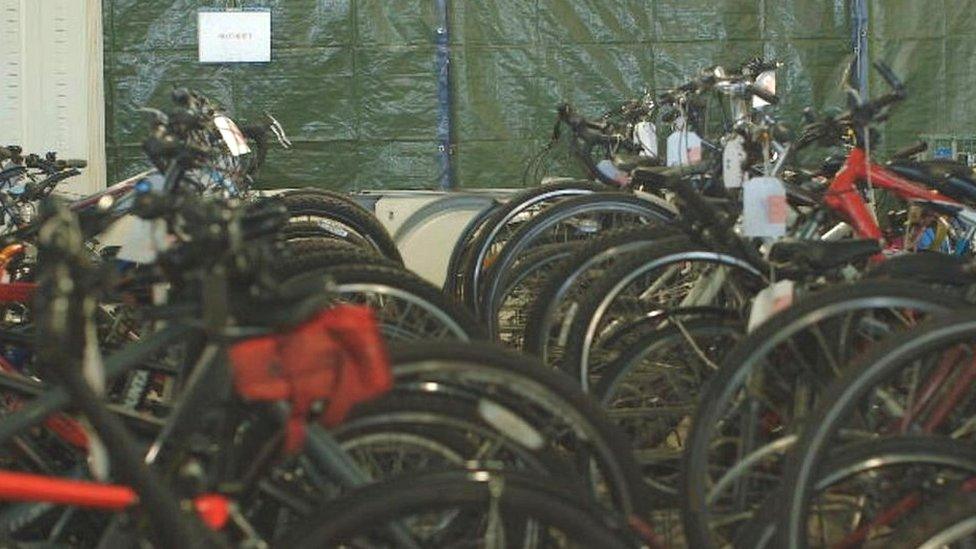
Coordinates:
(588,130)
(911,150)
(889,75)
(859,115)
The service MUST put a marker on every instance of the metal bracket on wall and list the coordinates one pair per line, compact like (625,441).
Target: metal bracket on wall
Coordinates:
(445,143)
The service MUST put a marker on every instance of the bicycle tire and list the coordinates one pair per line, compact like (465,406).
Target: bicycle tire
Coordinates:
(471,367)
(350,279)
(613,203)
(583,331)
(473,263)
(562,283)
(453,420)
(531,270)
(844,395)
(455,281)
(657,339)
(307,230)
(735,369)
(309,254)
(318,191)
(328,206)
(871,455)
(384,503)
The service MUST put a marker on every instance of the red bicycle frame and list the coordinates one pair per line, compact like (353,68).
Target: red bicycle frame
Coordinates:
(213,509)
(844,197)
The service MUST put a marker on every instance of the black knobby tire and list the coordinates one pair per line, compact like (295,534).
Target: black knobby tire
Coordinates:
(847,393)
(576,359)
(738,364)
(310,254)
(363,511)
(332,195)
(611,445)
(353,216)
(473,261)
(615,245)
(526,236)
(404,281)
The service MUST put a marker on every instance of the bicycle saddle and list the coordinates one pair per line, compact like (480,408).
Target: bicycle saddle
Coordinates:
(821,255)
(950,178)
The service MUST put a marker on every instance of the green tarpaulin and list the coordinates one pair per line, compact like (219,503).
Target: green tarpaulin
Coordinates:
(354,81)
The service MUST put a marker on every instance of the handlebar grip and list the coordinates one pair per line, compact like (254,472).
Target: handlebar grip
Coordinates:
(911,150)
(763,94)
(76,163)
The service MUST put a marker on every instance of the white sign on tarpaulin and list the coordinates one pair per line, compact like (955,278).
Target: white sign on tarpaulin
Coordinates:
(234,36)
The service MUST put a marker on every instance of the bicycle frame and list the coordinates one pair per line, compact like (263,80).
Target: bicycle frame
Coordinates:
(47,404)
(844,197)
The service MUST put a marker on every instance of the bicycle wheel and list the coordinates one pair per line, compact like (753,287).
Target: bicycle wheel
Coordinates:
(549,316)
(873,491)
(340,216)
(652,389)
(573,219)
(919,383)
(407,306)
(459,510)
(498,228)
(521,285)
(749,410)
(561,415)
(677,277)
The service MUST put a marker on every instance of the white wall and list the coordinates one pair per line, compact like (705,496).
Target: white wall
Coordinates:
(51,91)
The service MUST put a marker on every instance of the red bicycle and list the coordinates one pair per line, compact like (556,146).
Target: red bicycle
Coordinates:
(906,181)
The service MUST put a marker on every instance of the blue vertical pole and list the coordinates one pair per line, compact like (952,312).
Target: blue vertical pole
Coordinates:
(859,42)
(445,144)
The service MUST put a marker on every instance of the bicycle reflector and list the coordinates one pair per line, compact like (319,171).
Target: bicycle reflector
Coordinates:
(338,356)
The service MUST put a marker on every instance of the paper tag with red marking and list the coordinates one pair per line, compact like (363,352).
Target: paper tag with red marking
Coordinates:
(764,208)
(684,148)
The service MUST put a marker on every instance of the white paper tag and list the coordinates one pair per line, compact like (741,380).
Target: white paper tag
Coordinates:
(684,148)
(771,300)
(234,36)
(764,208)
(645,136)
(144,241)
(733,157)
(766,81)
(232,135)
